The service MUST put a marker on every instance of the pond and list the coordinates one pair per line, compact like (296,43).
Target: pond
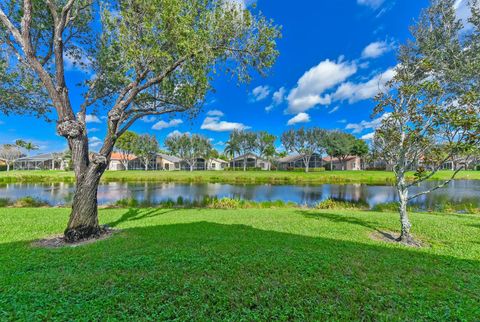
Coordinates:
(458,192)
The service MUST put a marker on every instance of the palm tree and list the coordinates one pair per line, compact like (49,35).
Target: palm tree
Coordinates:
(231,149)
(28,146)
(266,146)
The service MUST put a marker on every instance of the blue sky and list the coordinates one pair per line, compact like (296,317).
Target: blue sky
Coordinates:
(334,55)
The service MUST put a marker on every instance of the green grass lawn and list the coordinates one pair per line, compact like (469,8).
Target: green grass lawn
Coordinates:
(378,177)
(251,264)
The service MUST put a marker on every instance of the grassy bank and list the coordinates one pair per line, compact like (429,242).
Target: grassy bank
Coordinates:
(207,264)
(280,177)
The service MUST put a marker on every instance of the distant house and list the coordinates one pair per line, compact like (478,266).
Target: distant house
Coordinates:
(217,164)
(168,162)
(350,163)
(165,162)
(202,164)
(159,162)
(378,164)
(252,161)
(116,161)
(292,162)
(46,161)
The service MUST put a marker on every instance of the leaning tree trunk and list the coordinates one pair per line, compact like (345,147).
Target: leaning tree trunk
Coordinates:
(405,236)
(83,221)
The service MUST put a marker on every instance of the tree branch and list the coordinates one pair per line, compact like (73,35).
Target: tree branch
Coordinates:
(437,187)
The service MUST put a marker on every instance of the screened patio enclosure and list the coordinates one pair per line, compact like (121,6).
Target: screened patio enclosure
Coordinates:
(49,161)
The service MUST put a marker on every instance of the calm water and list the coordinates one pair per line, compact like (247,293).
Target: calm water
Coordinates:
(461,191)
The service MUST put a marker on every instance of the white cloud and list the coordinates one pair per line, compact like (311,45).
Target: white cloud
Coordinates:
(94,142)
(90,118)
(160,125)
(374,4)
(299,118)
(315,82)
(343,121)
(177,132)
(213,123)
(93,129)
(376,49)
(277,98)
(269,108)
(333,110)
(81,64)
(367,125)
(260,93)
(355,92)
(215,113)
(148,119)
(463,12)
(368,136)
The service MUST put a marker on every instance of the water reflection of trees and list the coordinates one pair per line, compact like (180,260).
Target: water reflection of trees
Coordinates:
(460,192)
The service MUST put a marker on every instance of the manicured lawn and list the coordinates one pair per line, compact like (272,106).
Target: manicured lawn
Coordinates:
(378,177)
(240,264)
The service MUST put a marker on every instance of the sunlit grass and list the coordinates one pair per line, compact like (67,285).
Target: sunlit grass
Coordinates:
(250,264)
(280,177)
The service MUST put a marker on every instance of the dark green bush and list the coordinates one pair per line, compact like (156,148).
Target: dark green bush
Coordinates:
(341,204)
(5,202)
(29,202)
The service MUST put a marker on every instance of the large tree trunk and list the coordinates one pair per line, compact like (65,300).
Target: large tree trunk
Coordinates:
(8,166)
(83,223)
(88,168)
(244,164)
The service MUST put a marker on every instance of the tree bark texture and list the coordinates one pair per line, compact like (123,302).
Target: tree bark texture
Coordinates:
(83,222)
(405,236)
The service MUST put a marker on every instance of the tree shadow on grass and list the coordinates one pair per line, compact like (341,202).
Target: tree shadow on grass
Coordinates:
(475,225)
(340,219)
(134,214)
(210,271)
(387,236)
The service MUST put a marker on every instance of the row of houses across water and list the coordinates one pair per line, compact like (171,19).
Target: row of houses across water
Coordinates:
(172,163)
(165,162)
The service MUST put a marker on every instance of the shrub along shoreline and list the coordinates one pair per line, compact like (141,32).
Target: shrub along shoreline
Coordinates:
(233,177)
(231,204)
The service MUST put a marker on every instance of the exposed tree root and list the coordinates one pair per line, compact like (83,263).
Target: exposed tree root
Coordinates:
(391,237)
(61,241)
